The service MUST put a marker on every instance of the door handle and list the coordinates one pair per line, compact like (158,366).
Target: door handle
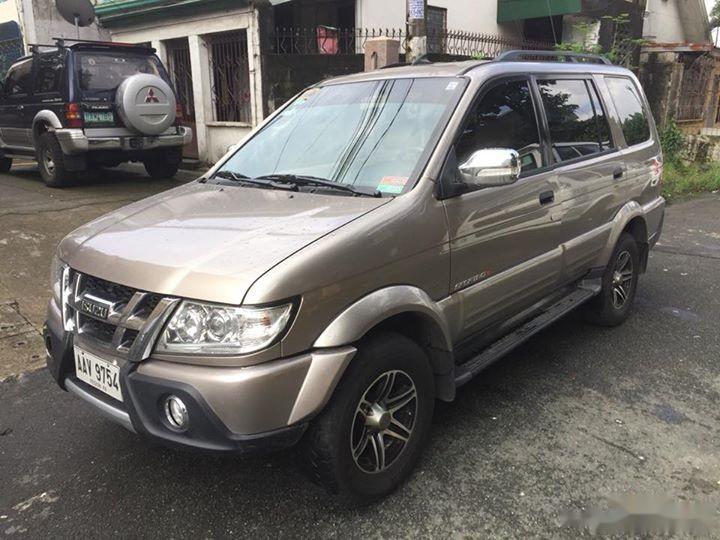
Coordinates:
(618,173)
(20,107)
(547,197)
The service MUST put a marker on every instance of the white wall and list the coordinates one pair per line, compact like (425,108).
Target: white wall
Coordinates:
(467,15)
(664,23)
(9,11)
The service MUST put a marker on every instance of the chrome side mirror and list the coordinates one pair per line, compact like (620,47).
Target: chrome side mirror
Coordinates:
(492,167)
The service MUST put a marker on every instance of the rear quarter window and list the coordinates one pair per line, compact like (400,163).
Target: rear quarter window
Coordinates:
(631,112)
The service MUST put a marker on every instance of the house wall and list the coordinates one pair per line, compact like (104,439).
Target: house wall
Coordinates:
(9,11)
(478,16)
(675,21)
(41,22)
(213,137)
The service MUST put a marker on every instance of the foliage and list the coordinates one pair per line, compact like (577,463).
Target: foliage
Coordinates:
(620,47)
(682,181)
(673,142)
(715,15)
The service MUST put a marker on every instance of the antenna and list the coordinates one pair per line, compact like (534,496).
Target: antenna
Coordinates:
(77,12)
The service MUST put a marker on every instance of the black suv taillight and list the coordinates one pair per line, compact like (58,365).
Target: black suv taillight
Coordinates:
(73,115)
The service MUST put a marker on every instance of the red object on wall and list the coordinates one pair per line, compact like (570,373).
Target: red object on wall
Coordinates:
(327,40)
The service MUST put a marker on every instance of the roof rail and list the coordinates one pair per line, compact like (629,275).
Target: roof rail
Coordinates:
(60,42)
(560,56)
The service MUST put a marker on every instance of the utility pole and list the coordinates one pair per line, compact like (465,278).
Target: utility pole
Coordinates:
(417,29)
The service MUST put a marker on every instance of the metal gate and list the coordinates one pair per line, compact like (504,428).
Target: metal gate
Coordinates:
(178,57)
(695,86)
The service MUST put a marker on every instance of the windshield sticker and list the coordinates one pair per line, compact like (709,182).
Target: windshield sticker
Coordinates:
(452,85)
(392,184)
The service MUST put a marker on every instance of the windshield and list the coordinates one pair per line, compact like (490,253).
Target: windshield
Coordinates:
(365,135)
(102,71)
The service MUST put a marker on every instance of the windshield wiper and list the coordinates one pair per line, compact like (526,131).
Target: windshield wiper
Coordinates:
(305,180)
(262,182)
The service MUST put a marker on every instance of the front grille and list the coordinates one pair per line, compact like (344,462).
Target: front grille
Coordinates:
(99,330)
(125,315)
(106,290)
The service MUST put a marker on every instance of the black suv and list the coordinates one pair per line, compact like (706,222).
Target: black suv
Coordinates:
(88,105)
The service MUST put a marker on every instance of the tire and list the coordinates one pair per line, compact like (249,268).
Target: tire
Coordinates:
(344,423)
(159,169)
(5,164)
(51,161)
(611,307)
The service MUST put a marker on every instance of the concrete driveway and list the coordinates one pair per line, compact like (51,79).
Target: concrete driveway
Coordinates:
(576,414)
(33,219)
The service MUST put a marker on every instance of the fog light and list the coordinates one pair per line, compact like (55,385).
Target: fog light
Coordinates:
(176,413)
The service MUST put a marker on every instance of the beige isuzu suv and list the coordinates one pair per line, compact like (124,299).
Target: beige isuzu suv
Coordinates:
(371,247)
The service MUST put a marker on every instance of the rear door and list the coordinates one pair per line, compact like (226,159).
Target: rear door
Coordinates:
(17,92)
(504,241)
(588,165)
(48,83)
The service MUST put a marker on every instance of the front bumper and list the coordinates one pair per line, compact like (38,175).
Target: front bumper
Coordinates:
(77,141)
(231,410)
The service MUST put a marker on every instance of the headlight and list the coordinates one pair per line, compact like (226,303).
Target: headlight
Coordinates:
(214,329)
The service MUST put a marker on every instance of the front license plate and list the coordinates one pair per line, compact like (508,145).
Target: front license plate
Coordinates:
(98,373)
(99,117)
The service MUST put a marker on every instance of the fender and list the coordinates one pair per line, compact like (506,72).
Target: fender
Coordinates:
(48,118)
(353,323)
(627,213)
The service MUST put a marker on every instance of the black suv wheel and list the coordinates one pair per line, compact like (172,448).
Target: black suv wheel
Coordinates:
(159,168)
(5,164)
(369,437)
(51,161)
(619,283)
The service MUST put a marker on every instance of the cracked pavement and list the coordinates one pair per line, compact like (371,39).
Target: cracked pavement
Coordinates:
(573,416)
(33,219)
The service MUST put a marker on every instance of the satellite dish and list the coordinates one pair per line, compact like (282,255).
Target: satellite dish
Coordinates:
(77,12)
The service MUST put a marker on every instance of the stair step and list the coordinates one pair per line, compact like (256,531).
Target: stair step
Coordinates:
(466,371)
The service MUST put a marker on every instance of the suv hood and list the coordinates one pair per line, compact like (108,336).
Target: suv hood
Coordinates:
(206,242)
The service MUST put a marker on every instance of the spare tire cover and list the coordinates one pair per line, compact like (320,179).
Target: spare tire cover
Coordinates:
(146,104)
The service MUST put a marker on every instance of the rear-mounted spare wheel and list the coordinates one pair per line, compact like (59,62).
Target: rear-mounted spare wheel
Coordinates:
(146,104)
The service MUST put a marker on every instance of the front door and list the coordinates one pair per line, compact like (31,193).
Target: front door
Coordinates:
(178,56)
(16,124)
(504,241)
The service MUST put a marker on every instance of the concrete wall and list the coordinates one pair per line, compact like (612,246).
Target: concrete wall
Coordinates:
(41,22)
(9,11)
(675,21)
(213,137)
(468,15)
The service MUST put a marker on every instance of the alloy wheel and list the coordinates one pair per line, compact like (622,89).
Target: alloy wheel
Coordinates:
(622,281)
(49,162)
(384,421)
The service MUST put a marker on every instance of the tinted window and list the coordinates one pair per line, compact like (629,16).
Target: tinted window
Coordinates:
(103,71)
(578,126)
(504,118)
(49,76)
(19,78)
(633,118)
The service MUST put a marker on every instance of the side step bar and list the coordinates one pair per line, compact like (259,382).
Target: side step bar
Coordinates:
(465,372)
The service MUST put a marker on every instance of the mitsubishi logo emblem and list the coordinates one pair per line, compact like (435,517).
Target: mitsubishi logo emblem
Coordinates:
(151,97)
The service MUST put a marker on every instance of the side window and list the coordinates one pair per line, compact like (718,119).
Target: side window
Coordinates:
(632,114)
(49,75)
(504,118)
(578,125)
(19,79)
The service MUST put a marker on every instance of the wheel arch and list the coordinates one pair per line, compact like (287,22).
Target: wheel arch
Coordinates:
(408,311)
(44,121)
(630,219)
